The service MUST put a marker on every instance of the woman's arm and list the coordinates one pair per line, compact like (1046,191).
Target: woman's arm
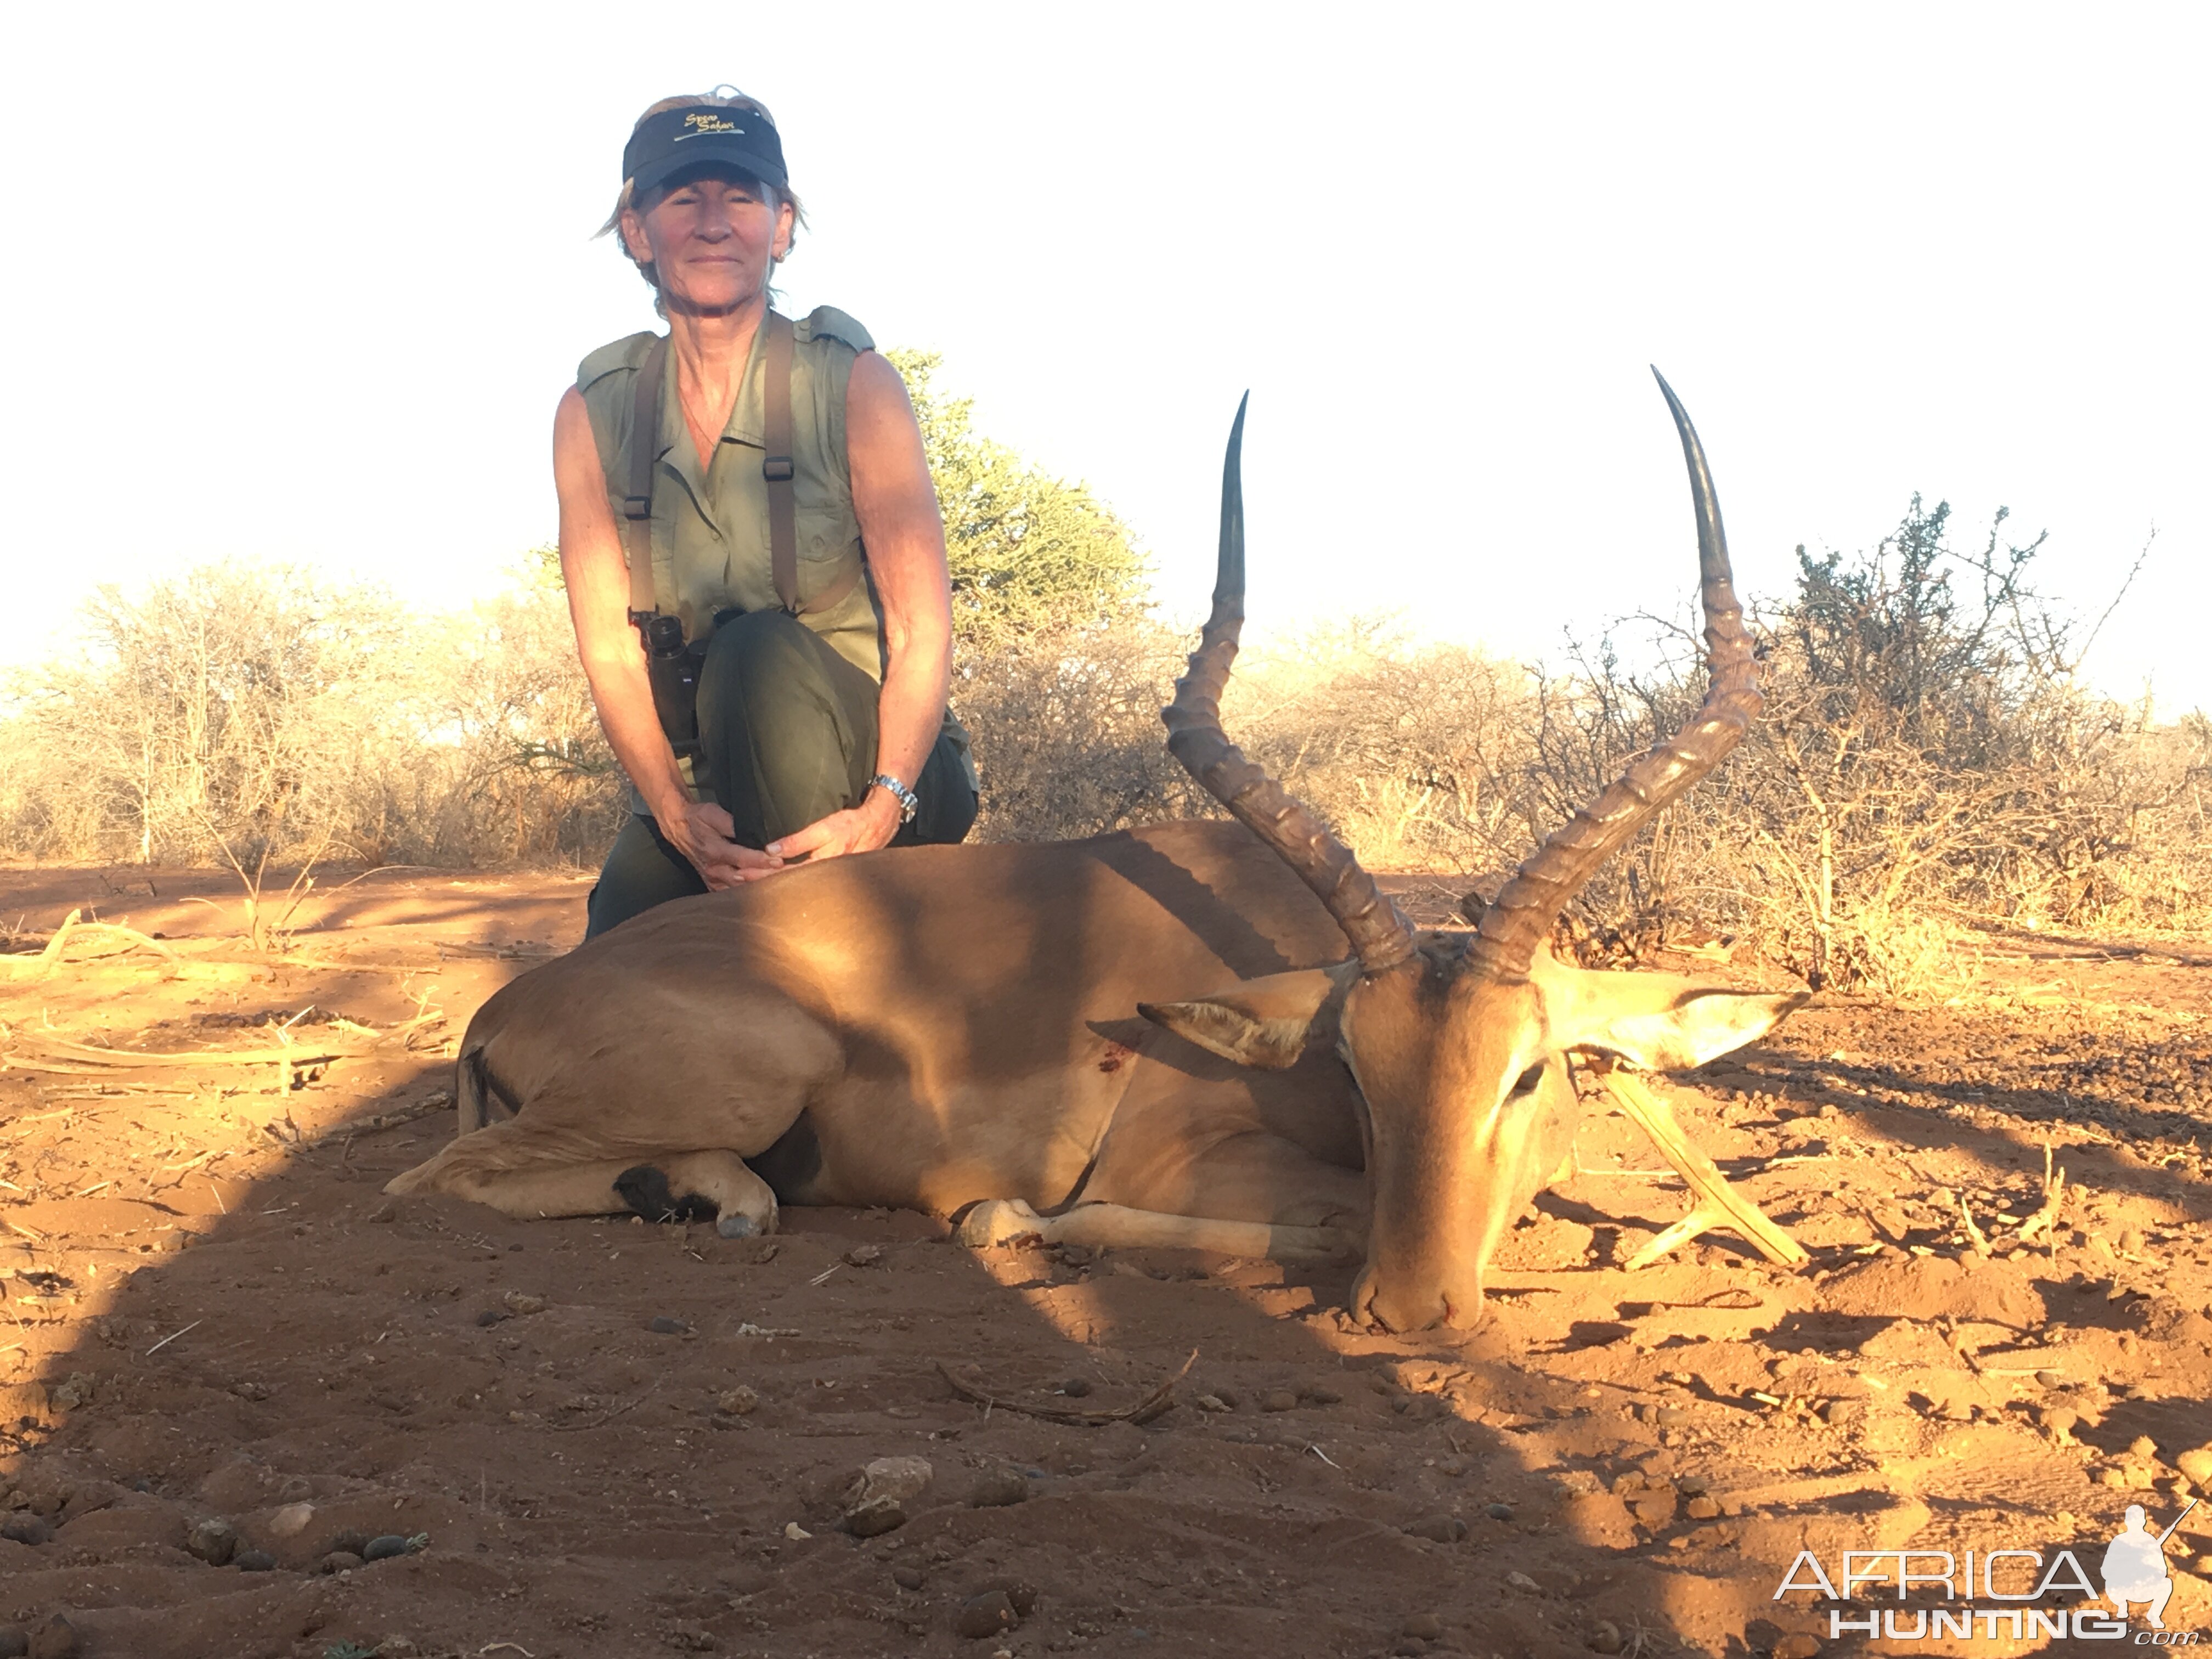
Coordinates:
(597,579)
(896,506)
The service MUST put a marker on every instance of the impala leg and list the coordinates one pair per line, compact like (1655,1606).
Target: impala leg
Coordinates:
(1113,1226)
(744,1204)
(1713,1202)
(672,1183)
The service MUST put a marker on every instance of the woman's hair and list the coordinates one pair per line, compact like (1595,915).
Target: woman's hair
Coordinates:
(628,200)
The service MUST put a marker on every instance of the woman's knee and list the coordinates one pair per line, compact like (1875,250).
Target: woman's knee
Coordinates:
(643,870)
(760,650)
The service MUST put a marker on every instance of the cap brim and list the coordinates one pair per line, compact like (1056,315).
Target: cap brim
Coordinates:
(706,153)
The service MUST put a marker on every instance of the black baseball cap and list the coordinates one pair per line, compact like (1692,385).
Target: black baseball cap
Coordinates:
(676,139)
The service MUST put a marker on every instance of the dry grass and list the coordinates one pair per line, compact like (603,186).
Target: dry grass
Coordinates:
(1928,765)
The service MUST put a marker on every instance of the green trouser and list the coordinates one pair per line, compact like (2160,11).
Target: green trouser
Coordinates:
(787,737)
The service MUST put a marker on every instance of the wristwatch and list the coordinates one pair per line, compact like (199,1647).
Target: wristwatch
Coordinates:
(909,803)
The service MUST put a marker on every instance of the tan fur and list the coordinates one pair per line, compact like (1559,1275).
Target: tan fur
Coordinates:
(958,1025)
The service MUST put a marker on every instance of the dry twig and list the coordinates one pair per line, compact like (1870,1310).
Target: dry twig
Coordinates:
(2054,1201)
(1152,1406)
(73,926)
(605,1417)
(1974,1237)
(346,1133)
(82,1053)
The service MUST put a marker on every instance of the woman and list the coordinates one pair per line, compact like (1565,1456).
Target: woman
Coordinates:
(815,650)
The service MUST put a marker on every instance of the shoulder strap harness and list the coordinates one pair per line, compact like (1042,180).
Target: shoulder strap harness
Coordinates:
(776,468)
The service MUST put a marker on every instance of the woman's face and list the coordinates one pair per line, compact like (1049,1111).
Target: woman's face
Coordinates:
(712,238)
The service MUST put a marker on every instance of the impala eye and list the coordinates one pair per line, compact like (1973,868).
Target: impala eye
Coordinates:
(1529,1079)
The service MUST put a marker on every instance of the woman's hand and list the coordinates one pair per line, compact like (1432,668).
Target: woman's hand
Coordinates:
(703,832)
(859,828)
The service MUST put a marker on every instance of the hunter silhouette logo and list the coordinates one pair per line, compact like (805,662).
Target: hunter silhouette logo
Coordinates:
(2016,1580)
(2134,1567)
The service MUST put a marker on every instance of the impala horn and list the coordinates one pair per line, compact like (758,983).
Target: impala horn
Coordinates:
(1378,933)
(1523,913)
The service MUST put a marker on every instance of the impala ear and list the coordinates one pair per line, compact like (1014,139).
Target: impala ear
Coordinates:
(1660,1022)
(1702,1025)
(1264,1022)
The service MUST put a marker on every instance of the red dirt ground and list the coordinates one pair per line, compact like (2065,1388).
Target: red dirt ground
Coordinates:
(213,1314)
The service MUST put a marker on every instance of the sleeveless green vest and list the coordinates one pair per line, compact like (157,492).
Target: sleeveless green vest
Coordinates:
(710,542)
(710,539)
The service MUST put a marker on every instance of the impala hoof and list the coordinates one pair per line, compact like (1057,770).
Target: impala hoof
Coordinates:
(998,1221)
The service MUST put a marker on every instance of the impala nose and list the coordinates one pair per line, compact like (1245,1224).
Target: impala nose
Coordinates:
(1401,1307)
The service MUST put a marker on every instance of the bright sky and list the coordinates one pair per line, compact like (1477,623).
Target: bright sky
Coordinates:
(307,281)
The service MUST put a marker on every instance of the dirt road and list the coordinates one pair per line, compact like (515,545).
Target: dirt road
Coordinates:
(603,1438)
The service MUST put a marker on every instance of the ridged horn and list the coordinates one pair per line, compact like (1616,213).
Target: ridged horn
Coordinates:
(1379,935)
(1540,890)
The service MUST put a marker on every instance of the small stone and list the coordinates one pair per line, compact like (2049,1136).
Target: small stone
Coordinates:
(864,1256)
(797,1534)
(1498,1511)
(2196,1466)
(2050,1379)
(895,1478)
(385,1548)
(662,1325)
(740,1401)
(2112,1477)
(25,1527)
(254,1561)
(291,1521)
(1426,1625)
(1797,1645)
(909,1578)
(213,1541)
(1211,1403)
(491,1316)
(15,1642)
(1522,1581)
(1439,1528)
(2059,1422)
(1604,1638)
(55,1639)
(991,1614)
(1702,1508)
(339,1561)
(1278,1399)
(995,1488)
(1842,1414)
(1018,1591)
(521,1303)
(875,1517)
(1324,1396)
(1075,1387)
(2143,1446)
